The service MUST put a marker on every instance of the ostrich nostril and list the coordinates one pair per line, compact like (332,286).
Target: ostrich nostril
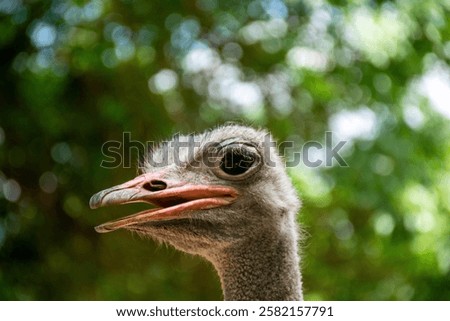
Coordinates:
(155,185)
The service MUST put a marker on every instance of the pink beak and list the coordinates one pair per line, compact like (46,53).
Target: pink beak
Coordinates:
(175,199)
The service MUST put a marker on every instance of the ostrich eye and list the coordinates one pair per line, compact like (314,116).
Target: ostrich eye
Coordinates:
(237,161)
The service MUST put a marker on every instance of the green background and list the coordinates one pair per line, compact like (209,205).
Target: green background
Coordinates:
(75,74)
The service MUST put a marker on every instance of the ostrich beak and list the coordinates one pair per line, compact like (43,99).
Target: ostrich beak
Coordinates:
(173,198)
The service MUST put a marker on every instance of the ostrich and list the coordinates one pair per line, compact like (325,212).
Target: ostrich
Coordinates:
(223,195)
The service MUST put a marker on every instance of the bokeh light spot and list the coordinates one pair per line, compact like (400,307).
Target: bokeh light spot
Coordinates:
(43,35)
(384,224)
(163,81)
(61,153)
(48,182)
(12,190)
(10,6)
(352,124)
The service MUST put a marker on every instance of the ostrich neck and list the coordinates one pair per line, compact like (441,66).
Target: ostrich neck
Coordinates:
(264,267)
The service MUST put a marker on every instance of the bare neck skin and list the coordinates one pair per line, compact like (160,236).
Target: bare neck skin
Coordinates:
(263,268)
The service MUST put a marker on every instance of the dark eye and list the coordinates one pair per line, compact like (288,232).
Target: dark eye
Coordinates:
(237,161)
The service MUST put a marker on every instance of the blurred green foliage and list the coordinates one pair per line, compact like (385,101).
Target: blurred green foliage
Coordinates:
(75,74)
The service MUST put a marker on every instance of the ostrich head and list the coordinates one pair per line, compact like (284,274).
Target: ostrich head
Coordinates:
(214,190)
(224,195)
